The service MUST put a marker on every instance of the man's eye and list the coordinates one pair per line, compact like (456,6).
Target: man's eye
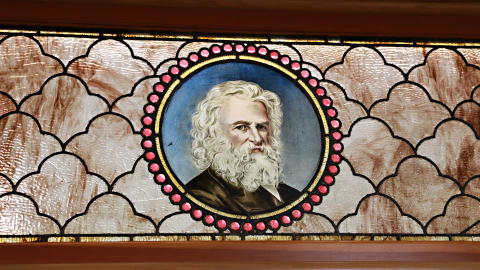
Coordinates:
(241,128)
(261,127)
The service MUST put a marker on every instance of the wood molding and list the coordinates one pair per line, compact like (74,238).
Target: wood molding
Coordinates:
(263,22)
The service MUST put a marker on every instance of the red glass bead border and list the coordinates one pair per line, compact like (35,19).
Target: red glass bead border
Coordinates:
(210,218)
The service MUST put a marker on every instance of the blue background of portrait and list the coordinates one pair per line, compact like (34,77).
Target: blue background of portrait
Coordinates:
(301,135)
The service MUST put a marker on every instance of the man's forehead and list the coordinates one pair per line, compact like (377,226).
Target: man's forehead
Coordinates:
(239,109)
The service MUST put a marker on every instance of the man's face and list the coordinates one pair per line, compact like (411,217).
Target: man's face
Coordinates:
(245,123)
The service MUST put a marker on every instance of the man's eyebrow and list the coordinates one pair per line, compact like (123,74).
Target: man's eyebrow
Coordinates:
(264,123)
(241,122)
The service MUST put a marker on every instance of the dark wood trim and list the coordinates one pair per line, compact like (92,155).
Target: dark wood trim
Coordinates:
(271,22)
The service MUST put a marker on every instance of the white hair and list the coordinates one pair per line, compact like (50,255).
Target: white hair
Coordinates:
(210,147)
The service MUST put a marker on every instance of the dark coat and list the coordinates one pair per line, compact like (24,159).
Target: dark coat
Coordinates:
(220,194)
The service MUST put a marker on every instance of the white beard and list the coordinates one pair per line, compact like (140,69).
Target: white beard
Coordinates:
(249,170)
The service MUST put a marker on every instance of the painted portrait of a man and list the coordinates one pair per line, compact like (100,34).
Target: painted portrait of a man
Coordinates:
(237,146)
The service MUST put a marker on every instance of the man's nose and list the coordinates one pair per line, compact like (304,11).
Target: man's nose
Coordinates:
(255,136)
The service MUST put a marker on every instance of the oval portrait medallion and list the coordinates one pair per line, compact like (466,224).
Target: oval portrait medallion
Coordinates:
(242,137)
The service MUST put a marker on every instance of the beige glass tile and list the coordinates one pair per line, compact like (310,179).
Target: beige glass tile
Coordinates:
(461,213)
(110,214)
(364,76)
(5,185)
(472,55)
(454,149)
(183,223)
(313,71)
(145,194)
(473,187)
(474,230)
(6,104)
(63,187)
(345,195)
(310,223)
(378,214)
(348,110)
(65,48)
(24,67)
(321,56)
(410,113)
(194,47)
(110,70)
(469,112)
(419,189)
(446,77)
(19,217)
(404,57)
(372,151)
(22,146)
(154,51)
(109,148)
(64,107)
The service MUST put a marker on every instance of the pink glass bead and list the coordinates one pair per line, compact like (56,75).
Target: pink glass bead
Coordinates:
(209,219)
(228,48)
(335,123)
(260,226)
(150,109)
(326,102)
(295,66)
(240,48)
(197,214)
(315,198)
(154,98)
(307,207)
(296,214)
(150,155)
(320,92)
(331,112)
(285,60)
(322,189)
(167,188)
(222,224)
(183,63)
(160,178)
(335,158)
(251,49)
(194,58)
(147,144)
(159,88)
(337,147)
(286,220)
(154,167)
(174,70)
(312,82)
(235,226)
(147,132)
(274,55)
(186,206)
(328,180)
(337,135)
(216,49)
(247,227)
(305,73)
(176,198)
(262,51)
(274,224)
(333,169)
(147,120)
(204,53)
(166,78)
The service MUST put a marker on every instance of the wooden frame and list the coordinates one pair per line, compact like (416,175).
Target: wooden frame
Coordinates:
(232,19)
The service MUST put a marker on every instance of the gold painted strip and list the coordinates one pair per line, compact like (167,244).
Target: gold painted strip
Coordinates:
(379,42)
(297,40)
(442,44)
(384,238)
(69,33)
(62,239)
(162,105)
(319,108)
(334,41)
(18,31)
(324,165)
(268,238)
(209,61)
(155,36)
(161,238)
(20,239)
(233,38)
(333,238)
(466,238)
(167,170)
(212,209)
(200,238)
(263,61)
(424,238)
(228,238)
(286,208)
(105,239)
